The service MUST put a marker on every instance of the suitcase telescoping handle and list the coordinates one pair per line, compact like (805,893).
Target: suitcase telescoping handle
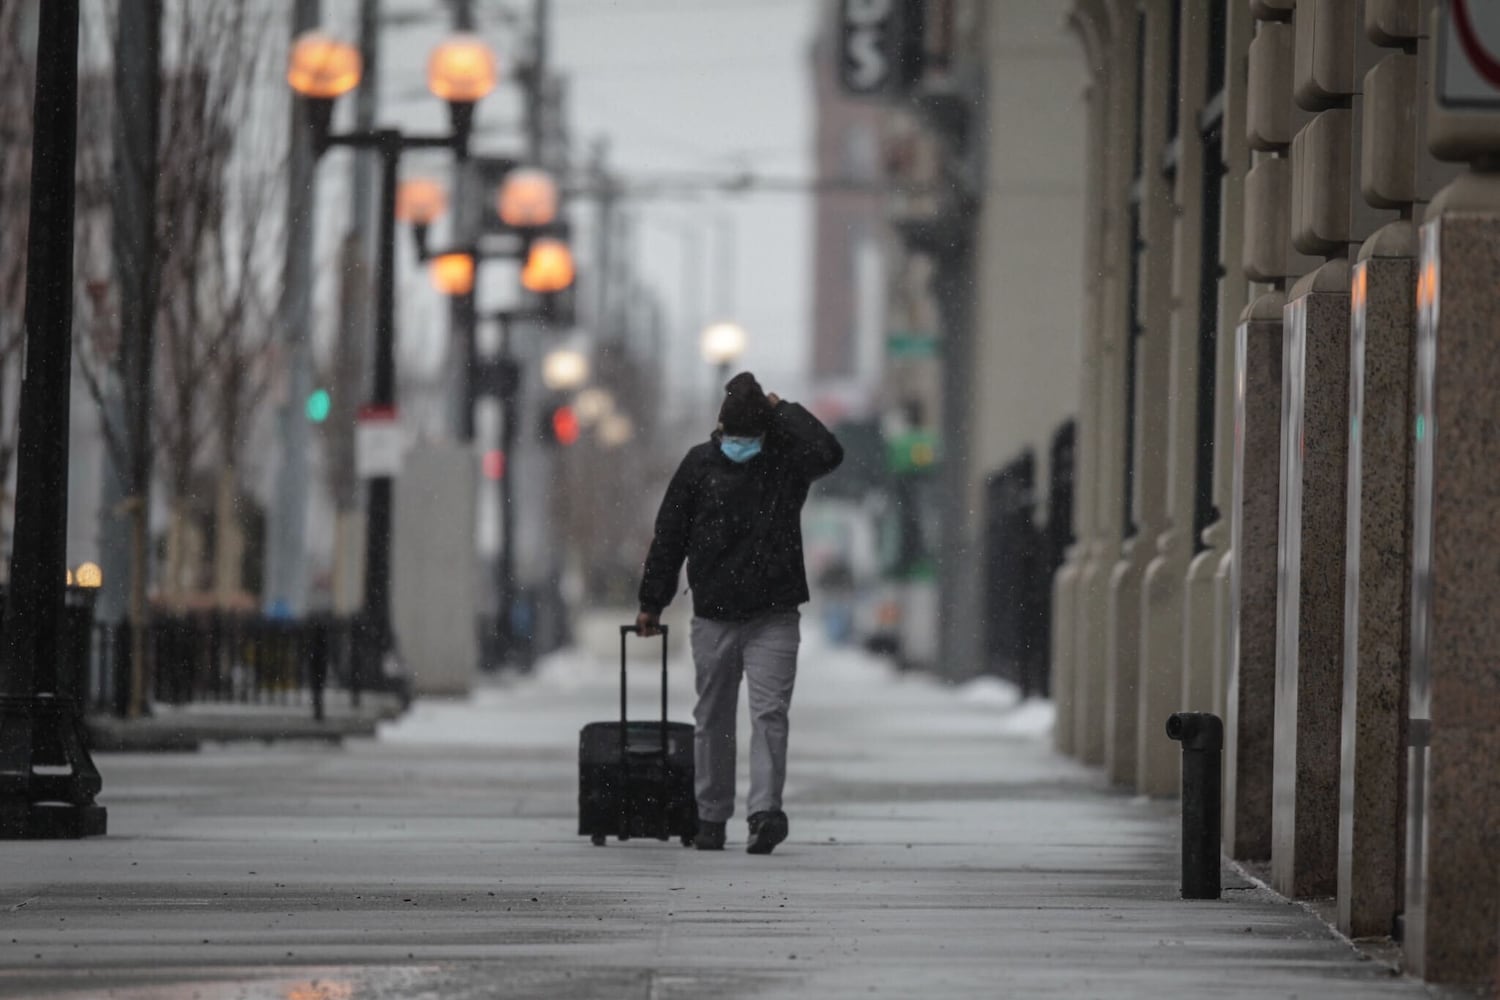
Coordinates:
(624,631)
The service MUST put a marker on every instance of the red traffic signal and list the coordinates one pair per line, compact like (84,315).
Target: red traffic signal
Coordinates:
(494,465)
(564,425)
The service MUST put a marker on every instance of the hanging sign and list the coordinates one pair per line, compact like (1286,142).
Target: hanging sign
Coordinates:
(379,444)
(881,44)
(867,51)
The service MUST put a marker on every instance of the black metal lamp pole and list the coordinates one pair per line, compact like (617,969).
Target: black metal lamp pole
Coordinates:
(388,144)
(509,384)
(378,509)
(47,779)
(506,380)
(460,72)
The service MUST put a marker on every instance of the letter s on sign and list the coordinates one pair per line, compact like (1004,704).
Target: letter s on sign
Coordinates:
(867,69)
(866,63)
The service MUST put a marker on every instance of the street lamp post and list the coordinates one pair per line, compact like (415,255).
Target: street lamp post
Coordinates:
(48,781)
(527,206)
(460,71)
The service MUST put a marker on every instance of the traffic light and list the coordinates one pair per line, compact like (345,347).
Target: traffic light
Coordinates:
(494,465)
(319,404)
(564,425)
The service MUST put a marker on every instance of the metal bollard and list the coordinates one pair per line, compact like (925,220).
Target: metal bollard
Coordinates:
(1202,737)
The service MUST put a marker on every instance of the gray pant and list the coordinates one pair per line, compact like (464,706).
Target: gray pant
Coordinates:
(764,651)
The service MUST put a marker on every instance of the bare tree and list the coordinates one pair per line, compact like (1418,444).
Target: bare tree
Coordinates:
(217,237)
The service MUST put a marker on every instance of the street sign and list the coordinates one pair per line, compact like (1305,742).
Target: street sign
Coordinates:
(1468,73)
(911,345)
(913,451)
(379,443)
(880,45)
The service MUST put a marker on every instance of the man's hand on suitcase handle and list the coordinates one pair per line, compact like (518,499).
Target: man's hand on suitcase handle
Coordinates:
(648,623)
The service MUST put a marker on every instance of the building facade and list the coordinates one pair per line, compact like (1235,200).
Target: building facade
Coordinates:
(1285,492)
(980,247)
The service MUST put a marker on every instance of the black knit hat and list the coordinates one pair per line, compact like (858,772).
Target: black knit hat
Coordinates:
(746,411)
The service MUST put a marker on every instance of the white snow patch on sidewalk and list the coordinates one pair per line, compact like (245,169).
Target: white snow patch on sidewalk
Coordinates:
(569,688)
(990,691)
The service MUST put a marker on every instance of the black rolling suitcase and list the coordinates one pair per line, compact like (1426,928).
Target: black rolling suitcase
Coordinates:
(635,779)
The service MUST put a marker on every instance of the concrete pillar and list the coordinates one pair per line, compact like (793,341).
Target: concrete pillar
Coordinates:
(1268,256)
(1254,519)
(1372,796)
(1153,359)
(433,607)
(1377,611)
(1090,22)
(1158,759)
(1452,917)
(1113,328)
(1309,606)
(1206,600)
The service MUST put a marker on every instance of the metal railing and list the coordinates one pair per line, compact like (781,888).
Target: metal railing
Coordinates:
(227,658)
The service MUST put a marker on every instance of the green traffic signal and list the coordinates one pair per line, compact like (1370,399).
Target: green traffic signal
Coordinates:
(318,406)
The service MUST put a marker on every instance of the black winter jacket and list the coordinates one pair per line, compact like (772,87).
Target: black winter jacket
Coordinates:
(739,525)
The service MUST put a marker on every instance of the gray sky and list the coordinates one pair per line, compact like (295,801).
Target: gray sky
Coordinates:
(674,86)
(707,85)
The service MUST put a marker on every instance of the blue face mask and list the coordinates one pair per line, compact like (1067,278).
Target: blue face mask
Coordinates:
(740,449)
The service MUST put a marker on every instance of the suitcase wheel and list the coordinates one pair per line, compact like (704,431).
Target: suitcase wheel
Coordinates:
(687,840)
(598,839)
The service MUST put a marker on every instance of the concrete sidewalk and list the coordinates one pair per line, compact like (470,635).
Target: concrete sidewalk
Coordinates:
(938,850)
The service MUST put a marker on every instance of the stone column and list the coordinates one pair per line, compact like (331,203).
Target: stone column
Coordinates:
(1090,22)
(1206,607)
(1377,612)
(1113,328)
(1158,759)
(1452,916)
(1309,605)
(1254,512)
(1267,256)
(1152,386)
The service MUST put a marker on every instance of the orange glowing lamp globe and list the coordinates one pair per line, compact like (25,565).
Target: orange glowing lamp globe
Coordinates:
(420,201)
(322,66)
(549,267)
(528,198)
(453,273)
(462,69)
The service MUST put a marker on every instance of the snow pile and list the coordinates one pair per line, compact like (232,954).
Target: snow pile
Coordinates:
(990,692)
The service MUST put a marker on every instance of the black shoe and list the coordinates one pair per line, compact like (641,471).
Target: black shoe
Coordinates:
(710,836)
(767,829)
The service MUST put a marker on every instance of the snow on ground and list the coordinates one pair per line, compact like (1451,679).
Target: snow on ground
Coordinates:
(570,688)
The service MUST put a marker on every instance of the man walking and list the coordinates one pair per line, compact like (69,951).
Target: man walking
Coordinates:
(734,511)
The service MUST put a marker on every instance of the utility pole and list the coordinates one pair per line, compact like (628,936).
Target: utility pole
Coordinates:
(47,779)
(286,590)
(354,329)
(607,201)
(534,79)
(536,91)
(462,318)
(138,89)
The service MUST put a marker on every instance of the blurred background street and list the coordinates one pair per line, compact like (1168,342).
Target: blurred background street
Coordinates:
(347,348)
